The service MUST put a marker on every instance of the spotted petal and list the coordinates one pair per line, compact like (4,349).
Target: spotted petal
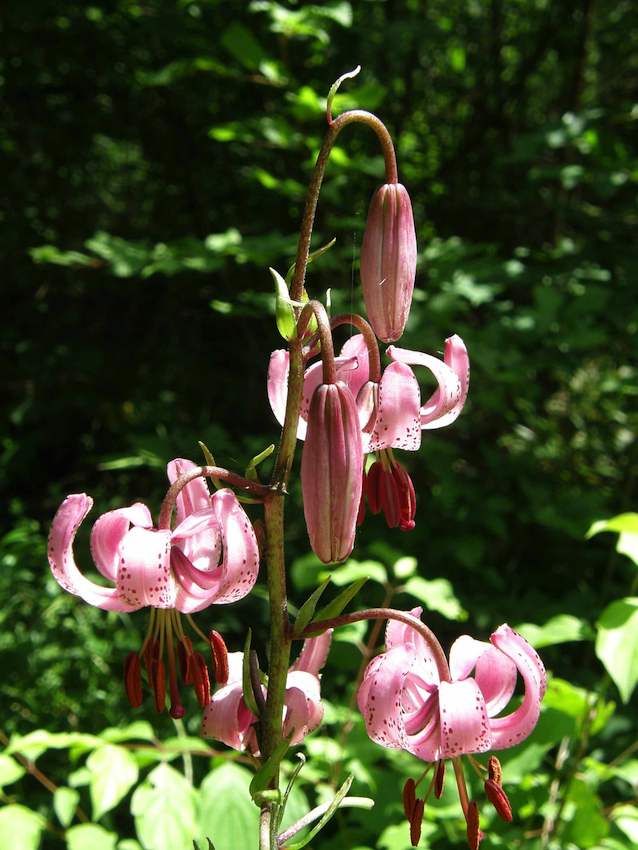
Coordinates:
(314,653)
(60,550)
(379,696)
(108,531)
(515,727)
(398,634)
(398,424)
(445,404)
(226,717)
(144,576)
(464,722)
(495,672)
(304,711)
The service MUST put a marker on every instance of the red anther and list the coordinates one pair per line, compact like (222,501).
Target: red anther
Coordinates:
(151,654)
(201,682)
(390,489)
(219,655)
(133,679)
(473,831)
(159,684)
(407,497)
(184,654)
(439,779)
(499,799)
(415,822)
(494,771)
(409,798)
(362,503)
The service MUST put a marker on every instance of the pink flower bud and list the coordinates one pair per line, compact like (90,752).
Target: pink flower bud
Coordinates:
(388,261)
(332,472)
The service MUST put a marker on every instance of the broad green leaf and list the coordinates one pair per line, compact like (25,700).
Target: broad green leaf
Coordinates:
(35,743)
(90,836)
(560,629)
(10,770)
(626,526)
(437,595)
(617,644)
(165,810)
(113,773)
(20,828)
(228,815)
(585,825)
(129,844)
(65,801)
(308,608)
(626,819)
(397,836)
(627,771)
(139,730)
(404,567)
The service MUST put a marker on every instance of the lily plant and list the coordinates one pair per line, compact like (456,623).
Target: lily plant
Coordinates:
(351,413)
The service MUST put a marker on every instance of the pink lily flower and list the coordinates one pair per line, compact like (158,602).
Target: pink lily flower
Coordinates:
(211,556)
(406,705)
(390,413)
(227,718)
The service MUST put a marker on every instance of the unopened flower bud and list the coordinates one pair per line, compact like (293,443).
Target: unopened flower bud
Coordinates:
(389,489)
(388,261)
(332,472)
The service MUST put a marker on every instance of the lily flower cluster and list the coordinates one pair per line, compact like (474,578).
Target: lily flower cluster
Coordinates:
(352,415)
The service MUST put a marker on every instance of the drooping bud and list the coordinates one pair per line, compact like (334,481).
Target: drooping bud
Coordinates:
(219,655)
(388,261)
(416,822)
(473,831)
(439,779)
(133,679)
(499,799)
(332,472)
(389,489)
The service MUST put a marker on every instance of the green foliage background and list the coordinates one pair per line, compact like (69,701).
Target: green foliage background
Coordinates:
(156,156)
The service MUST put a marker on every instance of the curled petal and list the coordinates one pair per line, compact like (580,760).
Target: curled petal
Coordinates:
(515,727)
(464,721)
(379,697)
(107,532)
(495,672)
(446,399)
(199,537)
(240,562)
(144,575)
(353,364)
(278,369)
(398,422)
(194,496)
(227,718)
(60,550)
(400,634)
(457,359)
(314,653)
(304,711)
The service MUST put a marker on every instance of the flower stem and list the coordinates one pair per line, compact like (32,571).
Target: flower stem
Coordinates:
(388,614)
(316,309)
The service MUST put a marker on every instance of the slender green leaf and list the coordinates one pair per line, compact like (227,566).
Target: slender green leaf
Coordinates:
(334,805)
(308,608)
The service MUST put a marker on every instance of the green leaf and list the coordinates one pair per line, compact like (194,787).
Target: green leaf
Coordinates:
(269,768)
(251,469)
(37,742)
(10,770)
(617,644)
(228,815)
(165,810)
(334,608)
(626,525)
(139,730)
(284,312)
(90,836)
(20,828)
(65,802)
(113,773)
(308,608)
(334,805)
(626,819)
(405,567)
(560,629)
(437,595)
(585,825)
(249,697)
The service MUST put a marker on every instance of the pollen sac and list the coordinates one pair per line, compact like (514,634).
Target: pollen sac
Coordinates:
(473,831)
(389,489)
(388,261)
(219,655)
(409,798)
(415,822)
(494,770)
(201,682)
(499,799)
(332,472)
(159,685)
(439,779)
(133,679)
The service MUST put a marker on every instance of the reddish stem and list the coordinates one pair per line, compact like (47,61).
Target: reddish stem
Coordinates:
(316,309)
